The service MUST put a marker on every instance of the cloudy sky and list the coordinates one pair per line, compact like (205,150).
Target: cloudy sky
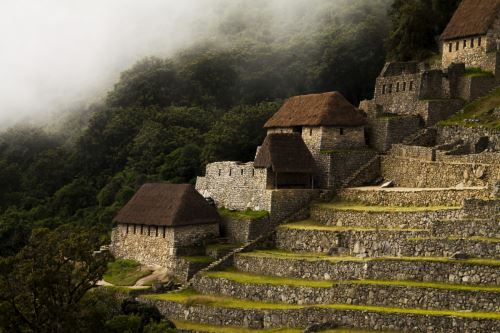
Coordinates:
(56,52)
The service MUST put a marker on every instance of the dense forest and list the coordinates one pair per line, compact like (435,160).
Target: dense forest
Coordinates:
(164,120)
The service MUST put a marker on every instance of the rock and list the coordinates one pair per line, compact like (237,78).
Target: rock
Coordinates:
(333,251)
(459,256)
(390,183)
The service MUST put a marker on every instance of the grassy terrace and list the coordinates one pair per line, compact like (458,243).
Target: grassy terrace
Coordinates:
(471,238)
(248,278)
(225,329)
(190,297)
(481,109)
(280,254)
(124,272)
(247,215)
(313,225)
(360,207)
(198,259)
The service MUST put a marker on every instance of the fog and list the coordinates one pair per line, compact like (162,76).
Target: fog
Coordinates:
(55,53)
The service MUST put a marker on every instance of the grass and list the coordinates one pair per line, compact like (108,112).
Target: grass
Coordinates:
(452,238)
(198,259)
(481,109)
(190,297)
(185,325)
(360,207)
(125,272)
(313,225)
(477,72)
(307,256)
(247,215)
(249,278)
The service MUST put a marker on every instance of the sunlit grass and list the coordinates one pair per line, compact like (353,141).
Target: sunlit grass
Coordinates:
(191,298)
(247,215)
(313,225)
(228,329)
(125,272)
(360,207)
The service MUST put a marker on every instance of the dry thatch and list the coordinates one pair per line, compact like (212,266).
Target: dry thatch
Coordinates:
(285,153)
(472,18)
(167,205)
(327,109)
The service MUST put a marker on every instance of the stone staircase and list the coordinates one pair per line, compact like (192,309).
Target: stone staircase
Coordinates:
(412,260)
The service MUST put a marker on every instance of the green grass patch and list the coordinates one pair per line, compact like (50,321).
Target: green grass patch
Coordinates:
(477,72)
(308,256)
(248,278)
(313,225)
(185,325)
(198,259)
(452,238)
(125,272)
(360,207)
(190,297)
(481,109)
(247,215)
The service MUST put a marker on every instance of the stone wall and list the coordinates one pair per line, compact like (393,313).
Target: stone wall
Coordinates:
(343,164)
(234,185)
(447,134)
(241,231)
(433,111)
(353,293)
(417,152)
(385,131)
(371,269)
(158,245)
(398,94)
(446,247)
(472,87)
(473,52)
(408,172)
(302,316)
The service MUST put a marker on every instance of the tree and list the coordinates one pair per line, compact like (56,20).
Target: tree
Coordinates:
(416,23)
(42,287)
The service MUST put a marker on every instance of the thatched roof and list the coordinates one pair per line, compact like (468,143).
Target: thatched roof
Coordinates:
(472,18)
(170,205)
(327,109)
(285,152)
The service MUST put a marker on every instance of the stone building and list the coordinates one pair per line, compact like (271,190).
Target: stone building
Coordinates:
(313,142)
(161,222)
(472,36)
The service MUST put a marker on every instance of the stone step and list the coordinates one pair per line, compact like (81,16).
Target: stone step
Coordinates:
(401,196)
(224,311)
(403,294)
(478,247)
(316,266)
(359,215)
(311,236)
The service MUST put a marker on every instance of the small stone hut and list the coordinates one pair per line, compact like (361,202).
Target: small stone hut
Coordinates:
(325,121)
(473,35)
(287,160)
(162,221)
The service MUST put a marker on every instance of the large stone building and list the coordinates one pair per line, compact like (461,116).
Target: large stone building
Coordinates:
(162,222)
(472,36)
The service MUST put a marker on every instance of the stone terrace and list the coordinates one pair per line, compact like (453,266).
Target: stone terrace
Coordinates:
(363,266)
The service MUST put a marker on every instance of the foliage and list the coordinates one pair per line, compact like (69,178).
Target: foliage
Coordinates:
(42,287)
(416,23)
(247,214)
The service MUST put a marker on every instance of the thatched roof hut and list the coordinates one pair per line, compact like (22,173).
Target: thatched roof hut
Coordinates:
(472,18)
(285,153)
(326,109)
(170,205)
